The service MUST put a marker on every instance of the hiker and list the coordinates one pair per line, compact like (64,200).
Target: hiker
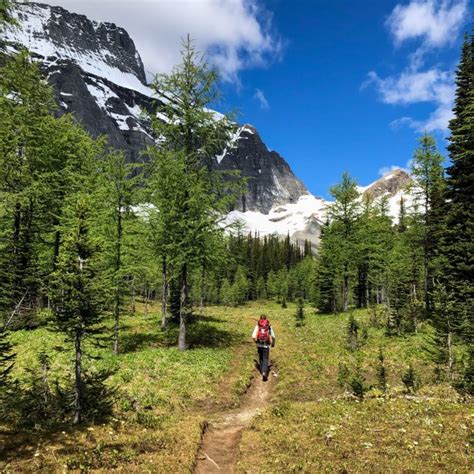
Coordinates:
(264,336)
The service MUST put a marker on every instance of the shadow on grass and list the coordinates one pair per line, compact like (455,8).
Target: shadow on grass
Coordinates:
(202,331)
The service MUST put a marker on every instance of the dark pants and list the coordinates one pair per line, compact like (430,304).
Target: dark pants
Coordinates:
(263,353)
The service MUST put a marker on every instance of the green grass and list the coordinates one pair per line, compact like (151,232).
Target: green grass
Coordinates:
(162,394)
(315,426)
(312,425)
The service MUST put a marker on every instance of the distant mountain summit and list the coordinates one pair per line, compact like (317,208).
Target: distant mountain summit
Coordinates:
(303,219)
(389,184)
(98,76)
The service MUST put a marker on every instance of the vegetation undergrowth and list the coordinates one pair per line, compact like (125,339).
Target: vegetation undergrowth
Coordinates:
(317,424)
(161,395)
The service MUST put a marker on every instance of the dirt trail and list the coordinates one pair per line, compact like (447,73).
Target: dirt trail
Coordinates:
(220,444)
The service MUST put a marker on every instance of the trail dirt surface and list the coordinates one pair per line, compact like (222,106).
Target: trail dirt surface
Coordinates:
(220,444)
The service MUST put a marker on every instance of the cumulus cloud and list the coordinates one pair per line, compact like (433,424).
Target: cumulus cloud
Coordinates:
(236,34)
(434,86)
(436,22)
(410,87)
(262,100)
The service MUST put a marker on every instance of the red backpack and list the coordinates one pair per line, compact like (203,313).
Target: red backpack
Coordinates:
(263,334)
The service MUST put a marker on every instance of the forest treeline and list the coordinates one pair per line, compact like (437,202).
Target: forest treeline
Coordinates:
(84,233)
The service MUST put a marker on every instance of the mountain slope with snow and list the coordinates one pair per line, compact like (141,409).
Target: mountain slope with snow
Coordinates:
(303,219)
(98,76)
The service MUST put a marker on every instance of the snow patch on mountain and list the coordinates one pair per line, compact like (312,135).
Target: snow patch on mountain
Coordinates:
(34,22)
(303,219)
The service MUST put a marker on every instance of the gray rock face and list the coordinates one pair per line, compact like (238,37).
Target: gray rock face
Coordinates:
(390,184)
(270,179)
(97,75)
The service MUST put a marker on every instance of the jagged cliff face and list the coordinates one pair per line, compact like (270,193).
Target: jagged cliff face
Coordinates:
(98,76)
(270,180)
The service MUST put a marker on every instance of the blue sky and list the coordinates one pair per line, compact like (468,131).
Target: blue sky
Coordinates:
(323,113)
(333,86)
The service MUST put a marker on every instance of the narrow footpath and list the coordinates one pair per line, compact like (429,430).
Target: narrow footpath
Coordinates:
(220,443)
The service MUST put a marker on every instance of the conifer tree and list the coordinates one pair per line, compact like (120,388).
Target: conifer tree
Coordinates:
(190,138)
(77,293)
(299,315)
(115,198)
(338,247)
(458,241)
(352,333)
(428,190)
(442,344)
(6,358)
(381,371)
(261,288)
(26,105)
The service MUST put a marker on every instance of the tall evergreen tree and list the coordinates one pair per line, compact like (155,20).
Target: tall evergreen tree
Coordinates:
(117,187)
(458,242)
(190,138)
(338,246)
(428,190)
(77,293)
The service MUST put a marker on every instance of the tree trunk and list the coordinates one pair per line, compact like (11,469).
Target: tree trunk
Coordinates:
(183,308)
(345,293)
(450,356)
(78,379)
(164,293)
(145,309)
(133,295)
(415,309)
(118,290)
(201,300)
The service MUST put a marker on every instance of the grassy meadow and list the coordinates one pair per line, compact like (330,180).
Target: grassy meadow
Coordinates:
(163,398)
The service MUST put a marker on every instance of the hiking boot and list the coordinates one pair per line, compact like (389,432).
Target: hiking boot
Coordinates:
(265,377)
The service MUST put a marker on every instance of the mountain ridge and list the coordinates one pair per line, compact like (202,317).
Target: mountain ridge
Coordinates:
(98,76)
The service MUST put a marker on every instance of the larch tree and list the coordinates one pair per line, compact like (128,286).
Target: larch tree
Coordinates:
(77,294)
(116,196)
(189,137)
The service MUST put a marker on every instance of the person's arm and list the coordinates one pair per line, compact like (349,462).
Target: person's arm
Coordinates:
(254,334)
(272,333)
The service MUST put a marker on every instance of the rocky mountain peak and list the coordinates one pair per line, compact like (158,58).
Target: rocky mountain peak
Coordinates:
(55,33)
(270,179)
(389,184)
(98,76)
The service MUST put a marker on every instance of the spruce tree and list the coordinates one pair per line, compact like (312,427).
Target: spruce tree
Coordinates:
(458,241)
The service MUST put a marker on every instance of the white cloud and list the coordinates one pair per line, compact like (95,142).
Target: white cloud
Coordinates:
(433,86)
(435,22)
(438,120)
(260,96)
(236,34)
